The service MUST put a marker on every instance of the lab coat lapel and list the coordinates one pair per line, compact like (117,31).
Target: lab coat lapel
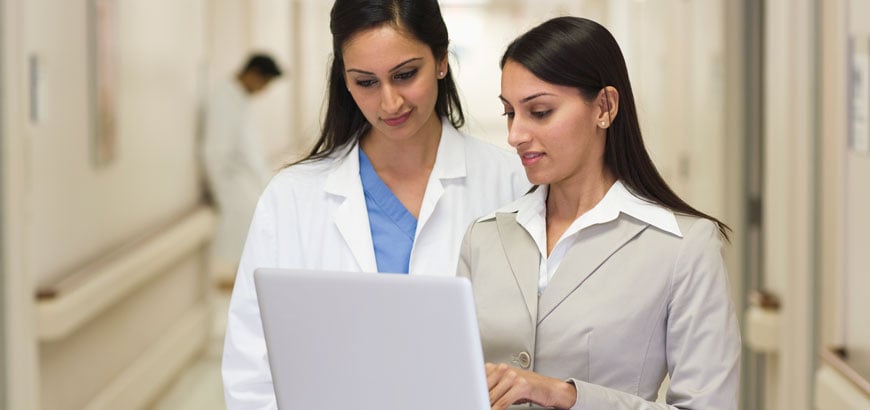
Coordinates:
(351,215)
(449,163)
(593,247)
(523,257)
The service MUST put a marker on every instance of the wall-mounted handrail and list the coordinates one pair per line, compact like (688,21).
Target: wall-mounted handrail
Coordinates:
(101,284)
(837,359)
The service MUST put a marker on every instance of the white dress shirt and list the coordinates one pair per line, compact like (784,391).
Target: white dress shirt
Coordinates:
(532,216)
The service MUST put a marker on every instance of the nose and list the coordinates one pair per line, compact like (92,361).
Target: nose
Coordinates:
(391,100)
(517,134)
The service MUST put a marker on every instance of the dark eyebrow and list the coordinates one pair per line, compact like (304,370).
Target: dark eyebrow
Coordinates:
(398,66)
(527,99)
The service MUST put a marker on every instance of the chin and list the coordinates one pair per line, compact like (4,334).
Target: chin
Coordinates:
(537,180)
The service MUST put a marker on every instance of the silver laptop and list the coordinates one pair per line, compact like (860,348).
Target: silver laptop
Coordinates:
(339,340)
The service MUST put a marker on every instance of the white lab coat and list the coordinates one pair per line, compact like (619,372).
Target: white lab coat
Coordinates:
(235,167)
(313,215)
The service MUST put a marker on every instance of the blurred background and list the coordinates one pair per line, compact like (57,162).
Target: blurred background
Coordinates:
(755,111)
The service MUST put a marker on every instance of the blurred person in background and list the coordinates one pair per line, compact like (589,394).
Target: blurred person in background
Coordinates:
(601,281)
(390,186)
(235,164)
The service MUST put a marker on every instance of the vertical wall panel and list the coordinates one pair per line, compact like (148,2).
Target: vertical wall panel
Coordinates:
(20,348)
(857,197)
(78,209)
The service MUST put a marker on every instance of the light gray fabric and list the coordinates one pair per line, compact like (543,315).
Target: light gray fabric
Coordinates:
(628,305)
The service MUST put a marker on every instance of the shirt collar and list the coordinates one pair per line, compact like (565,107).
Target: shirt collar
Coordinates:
(654,214)
(531,210)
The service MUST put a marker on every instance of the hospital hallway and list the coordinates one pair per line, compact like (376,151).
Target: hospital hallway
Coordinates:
(111,294)
(198,385)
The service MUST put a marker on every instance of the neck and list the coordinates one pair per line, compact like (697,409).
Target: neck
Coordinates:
(568,200)
(407,156)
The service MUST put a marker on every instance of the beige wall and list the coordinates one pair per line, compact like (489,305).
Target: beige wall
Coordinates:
(312,49)
(844,199)
(72,215)
(857,202)
(236,28)
(77,368)
(76,211)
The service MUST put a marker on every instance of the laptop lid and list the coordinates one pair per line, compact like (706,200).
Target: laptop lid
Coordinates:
(339,340)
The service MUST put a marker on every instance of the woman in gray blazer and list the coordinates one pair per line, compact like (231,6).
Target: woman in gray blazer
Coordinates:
(601,281)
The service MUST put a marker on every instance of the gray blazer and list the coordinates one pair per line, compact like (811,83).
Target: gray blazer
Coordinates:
(628,304)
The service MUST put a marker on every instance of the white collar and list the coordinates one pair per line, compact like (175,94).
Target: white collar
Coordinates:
(449,162)
(531,209)
(450,159)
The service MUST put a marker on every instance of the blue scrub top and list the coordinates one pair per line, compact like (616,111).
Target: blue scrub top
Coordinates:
(392,226)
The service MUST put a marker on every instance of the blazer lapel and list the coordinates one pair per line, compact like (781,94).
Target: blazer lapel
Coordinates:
(523,257)
(593,247)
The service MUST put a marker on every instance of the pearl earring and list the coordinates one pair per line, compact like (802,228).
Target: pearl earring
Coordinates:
(440,74)
(603,124)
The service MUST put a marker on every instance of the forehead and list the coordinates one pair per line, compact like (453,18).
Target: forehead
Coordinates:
(382,47)
(518,83)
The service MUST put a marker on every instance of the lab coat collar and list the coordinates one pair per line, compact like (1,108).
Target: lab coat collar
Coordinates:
(351,217)
(450,160)
(344,179)
(449,163)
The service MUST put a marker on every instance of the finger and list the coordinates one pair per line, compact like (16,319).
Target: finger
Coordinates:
(494,372)
(518,391)
(502,385)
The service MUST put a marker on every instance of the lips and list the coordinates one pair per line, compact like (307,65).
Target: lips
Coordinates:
(397,120)
(530,158)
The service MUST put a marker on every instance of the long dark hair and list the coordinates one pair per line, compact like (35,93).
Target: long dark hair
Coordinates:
(344,122)
(580,53)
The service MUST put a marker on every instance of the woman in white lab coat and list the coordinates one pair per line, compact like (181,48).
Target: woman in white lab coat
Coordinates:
(390,186)
(602,281)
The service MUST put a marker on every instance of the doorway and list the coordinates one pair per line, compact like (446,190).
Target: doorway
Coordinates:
(3,371)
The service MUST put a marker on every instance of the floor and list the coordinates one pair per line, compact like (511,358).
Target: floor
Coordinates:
(200,386)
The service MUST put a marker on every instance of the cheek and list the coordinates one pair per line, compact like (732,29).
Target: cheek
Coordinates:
(363,101)
(424,91)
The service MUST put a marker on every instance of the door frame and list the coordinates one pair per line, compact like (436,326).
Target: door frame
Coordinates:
(18,307)
(790,215)
(3,369)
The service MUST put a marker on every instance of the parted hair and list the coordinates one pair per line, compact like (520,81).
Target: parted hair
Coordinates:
(344,123)
(580,53)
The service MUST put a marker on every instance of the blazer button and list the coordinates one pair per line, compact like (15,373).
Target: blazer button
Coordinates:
(524,360)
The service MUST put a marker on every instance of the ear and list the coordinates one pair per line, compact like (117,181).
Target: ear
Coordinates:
(608,106)
(441,68)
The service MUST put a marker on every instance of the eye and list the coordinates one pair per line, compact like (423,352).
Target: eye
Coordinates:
(541,114)
(508,114)
(366,83)
(405,75)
